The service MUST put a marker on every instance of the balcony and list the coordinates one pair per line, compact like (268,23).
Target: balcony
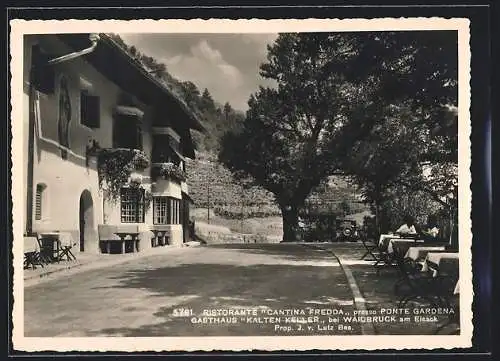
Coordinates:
(167,170)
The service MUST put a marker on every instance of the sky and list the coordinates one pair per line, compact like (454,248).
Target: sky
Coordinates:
(226,64)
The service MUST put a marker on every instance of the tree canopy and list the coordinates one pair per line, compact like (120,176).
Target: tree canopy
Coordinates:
(371,105)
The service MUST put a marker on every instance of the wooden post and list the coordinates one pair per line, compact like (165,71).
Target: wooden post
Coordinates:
(242,205)
(208,202)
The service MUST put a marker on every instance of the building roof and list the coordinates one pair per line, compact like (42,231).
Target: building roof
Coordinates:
(111,60)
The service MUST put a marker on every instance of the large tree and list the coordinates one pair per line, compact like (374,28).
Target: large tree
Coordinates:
(391,162)
(286,141)
(414,147)
(335,94)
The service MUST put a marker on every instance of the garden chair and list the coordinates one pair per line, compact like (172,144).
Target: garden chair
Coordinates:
(407,268)
(371,249)
(44,257)
(66,244)
(446,280)
(383,258)
(32,253)
(453,319)
(415,284)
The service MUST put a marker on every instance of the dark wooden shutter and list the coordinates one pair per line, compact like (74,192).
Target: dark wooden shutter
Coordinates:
(90,110)
(127,132)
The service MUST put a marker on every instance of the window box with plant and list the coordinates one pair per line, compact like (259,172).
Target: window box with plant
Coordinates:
(168,171)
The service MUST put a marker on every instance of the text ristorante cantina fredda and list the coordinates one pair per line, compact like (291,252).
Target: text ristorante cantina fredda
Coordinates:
(309,315)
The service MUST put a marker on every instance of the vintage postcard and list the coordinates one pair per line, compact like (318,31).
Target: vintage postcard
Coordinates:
(184,185)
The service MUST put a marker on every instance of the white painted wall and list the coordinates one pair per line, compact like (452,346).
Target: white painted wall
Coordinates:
(167,188)
(67,179)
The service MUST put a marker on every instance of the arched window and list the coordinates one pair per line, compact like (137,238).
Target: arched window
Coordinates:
(40,201)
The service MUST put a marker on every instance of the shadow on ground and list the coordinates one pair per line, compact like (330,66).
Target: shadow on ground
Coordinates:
(217,286)
(290,252)
(142,299)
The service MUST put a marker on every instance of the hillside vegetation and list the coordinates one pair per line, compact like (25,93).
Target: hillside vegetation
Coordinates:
(212,185)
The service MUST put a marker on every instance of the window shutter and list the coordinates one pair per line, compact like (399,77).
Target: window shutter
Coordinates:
(90,110)
(38,204)
(127,132)
(40,188)
(94,111)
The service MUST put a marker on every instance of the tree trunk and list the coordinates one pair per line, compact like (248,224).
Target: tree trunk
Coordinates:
(290,216)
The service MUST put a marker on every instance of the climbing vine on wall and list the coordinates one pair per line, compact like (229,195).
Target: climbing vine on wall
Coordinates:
(148,196)
(115,166)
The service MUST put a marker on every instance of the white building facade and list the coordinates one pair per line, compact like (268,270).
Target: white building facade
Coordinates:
(104,146)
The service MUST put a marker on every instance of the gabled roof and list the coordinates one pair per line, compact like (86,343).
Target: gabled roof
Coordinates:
(114,62)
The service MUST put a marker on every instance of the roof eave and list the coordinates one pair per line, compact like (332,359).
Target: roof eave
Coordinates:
(195,122)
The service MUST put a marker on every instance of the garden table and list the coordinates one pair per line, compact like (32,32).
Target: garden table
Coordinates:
(158,239)
(445,268)
(392,251)
(420,252)
(435,260)
(122,236)
(50,246)
(161,234)
(402,245)
(154,239)
(385,238)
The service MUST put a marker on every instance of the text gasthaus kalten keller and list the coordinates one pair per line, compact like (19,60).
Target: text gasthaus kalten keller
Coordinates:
(313,319)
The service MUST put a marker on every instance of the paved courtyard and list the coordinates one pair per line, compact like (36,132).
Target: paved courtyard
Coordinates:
(143,297)
(226,290)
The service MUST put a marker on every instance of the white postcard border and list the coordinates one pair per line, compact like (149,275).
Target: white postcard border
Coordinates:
(298,343)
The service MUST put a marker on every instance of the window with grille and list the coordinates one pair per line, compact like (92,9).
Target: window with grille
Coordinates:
(38,201)
(174,207)
(132,205)
(160,205)
(166,210)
